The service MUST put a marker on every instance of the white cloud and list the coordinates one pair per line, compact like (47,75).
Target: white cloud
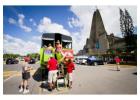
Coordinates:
(18,46)
(33,21)
(47,26)
(37,38)
(84,14)
(74,22)
(111,17)
(83,21)
(12,21)
(20,23)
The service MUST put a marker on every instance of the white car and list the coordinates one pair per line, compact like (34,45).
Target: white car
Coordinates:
(81,60)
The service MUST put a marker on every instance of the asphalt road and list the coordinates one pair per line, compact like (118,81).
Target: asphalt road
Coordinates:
(103,79)
(16,67)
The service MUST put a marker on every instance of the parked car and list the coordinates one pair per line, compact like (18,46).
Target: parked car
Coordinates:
(81,59)
(12,61)
(32,61)
(111,61)
(94,60)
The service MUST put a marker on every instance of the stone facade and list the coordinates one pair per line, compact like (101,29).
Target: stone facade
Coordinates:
(99,42)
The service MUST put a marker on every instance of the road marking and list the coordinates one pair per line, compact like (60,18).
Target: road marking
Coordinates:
(8,78)
(12,74)
(8,75)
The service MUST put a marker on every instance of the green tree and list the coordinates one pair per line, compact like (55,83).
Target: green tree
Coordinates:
(5,56)
(127,29)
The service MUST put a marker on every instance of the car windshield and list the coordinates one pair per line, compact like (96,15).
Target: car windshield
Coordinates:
(92,58)
(95,58)
(82,58)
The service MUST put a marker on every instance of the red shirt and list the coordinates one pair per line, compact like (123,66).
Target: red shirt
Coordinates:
(52,63)
(117,60)
(70,67)
(27,59)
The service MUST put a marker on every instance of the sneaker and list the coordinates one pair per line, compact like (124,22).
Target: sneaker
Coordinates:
(26,91)
(21,90)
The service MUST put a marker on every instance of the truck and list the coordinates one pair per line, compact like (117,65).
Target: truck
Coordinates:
(66,42)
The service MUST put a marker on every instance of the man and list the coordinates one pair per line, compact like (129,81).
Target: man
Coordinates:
(42,63)
(58,53)
(117,60)
(52,68)
(50,48)
(58,46)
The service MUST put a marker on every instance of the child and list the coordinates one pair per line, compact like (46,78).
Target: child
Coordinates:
(70,68)
(24,87)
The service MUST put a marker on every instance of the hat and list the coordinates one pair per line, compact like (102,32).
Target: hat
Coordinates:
(45,46)
(57,41)
(49,44)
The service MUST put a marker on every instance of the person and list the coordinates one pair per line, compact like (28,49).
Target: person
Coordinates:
(117,60)
(58,46)
(50,48)
(59,54)
(52,75)
(70,67)
(24,86)
(45,56)
(42,63)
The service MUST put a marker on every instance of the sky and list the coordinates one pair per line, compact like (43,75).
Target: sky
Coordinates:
(24,25)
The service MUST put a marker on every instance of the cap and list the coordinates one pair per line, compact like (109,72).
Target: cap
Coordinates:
(57,41)
(45,46)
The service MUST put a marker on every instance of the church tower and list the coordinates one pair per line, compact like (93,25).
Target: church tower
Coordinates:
(97,42)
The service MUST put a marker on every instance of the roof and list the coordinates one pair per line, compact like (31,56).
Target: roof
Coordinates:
(51,36)
(48,36)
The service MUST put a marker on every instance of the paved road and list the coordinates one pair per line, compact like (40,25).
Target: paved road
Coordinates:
(103,79)
(16,67)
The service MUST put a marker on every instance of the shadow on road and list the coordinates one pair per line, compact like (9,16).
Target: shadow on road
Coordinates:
(44,85)
(112,69)
(40,75)
(135,73)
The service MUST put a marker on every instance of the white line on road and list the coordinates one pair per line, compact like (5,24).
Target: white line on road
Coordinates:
(9,78)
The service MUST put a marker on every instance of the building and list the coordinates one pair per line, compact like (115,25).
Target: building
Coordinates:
(99,41)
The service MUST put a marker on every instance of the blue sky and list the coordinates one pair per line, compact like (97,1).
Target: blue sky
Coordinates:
(24,25)
(58,14)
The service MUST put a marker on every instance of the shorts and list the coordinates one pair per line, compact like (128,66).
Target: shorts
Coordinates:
(117,63)
(26,75)
(52,76)
(70,76)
